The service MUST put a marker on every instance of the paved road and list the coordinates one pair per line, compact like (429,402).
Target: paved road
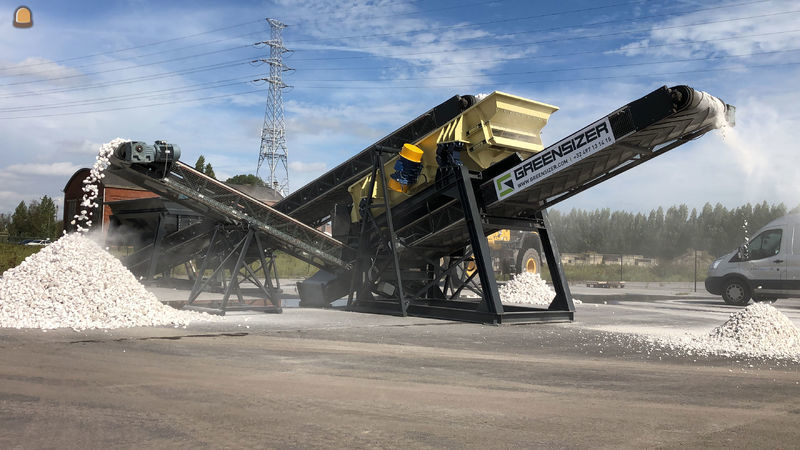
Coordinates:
(322,378)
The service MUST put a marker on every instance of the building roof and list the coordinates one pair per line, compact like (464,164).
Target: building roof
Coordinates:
(110,180)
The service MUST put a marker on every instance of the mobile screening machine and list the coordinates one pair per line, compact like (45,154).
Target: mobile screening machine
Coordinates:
(409,210)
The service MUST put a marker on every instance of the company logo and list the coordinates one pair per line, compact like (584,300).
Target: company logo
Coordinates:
(505,185)
(554,158)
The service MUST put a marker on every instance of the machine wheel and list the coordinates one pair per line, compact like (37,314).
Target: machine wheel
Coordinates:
(736,292)
(530,261)
(765,299)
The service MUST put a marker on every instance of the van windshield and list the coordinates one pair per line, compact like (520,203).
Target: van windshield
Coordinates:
(766,244)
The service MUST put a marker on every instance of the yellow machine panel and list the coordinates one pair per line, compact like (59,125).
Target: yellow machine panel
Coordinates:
(492,129)
(499,237)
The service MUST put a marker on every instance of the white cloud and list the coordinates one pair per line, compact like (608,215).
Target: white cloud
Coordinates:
(754,28)
(52,169)
(26,72)
(427,53)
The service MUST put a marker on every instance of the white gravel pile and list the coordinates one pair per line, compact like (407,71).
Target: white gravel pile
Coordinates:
(758,331)
(90,185)
(74,283)
(528,288)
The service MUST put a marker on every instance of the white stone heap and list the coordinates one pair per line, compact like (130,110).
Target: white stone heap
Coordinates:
(758,331)
(528,288)
(74,283)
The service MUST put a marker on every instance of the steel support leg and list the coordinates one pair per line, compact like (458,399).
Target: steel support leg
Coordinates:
(480,245)
(392,241)
(563,298)
(199,283)
(157,241)
(236,268)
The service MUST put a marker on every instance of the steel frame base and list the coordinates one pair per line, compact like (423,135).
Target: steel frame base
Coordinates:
(229,242)
(464,311)
(433,302)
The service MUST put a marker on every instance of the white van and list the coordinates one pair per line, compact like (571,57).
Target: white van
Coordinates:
(766,269)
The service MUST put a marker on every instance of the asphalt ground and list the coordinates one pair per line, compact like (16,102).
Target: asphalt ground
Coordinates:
(312,378)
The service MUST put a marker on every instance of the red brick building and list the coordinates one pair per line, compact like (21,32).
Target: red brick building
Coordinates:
(112,188)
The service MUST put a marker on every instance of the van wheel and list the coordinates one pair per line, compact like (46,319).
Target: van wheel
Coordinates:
(736,292)
(765,299)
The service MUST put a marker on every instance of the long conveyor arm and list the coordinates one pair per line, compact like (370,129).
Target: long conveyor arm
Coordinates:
(513,188)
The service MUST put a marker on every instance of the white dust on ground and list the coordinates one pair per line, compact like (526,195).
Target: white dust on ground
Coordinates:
(529,289)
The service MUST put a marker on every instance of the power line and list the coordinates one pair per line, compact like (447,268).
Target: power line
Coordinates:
(134,107)
(202,44)
(538,16)
(461,86)
(522,44)
(560,55)
(134,79)
(135,66)
(25,66)
(235,81)
(186,88)
(211,42)
(562,80)
(446,51)
(151,44)
(570,69)
(475,24)
(103,100)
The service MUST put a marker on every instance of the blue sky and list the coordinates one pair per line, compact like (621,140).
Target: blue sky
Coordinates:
(88,72)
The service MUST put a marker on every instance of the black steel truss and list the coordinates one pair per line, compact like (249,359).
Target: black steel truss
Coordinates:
(230,256)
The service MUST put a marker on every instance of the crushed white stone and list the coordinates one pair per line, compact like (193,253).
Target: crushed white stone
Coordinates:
(758,331)
(528,288)
(90,185)
(74,283)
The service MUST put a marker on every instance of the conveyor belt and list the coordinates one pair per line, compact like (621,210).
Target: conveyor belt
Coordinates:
(224,204)
(313,203)
(639,131)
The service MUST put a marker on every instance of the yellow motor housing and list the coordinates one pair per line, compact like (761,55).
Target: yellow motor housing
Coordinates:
(407,168)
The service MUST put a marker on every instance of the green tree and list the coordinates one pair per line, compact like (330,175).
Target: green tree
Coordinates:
(42,216)
(248,179)
(204,167)
(209,171)
(200,165)
(5,221)
(20,222)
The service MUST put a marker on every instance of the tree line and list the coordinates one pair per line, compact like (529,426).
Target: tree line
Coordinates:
(35,219)
(664,234)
